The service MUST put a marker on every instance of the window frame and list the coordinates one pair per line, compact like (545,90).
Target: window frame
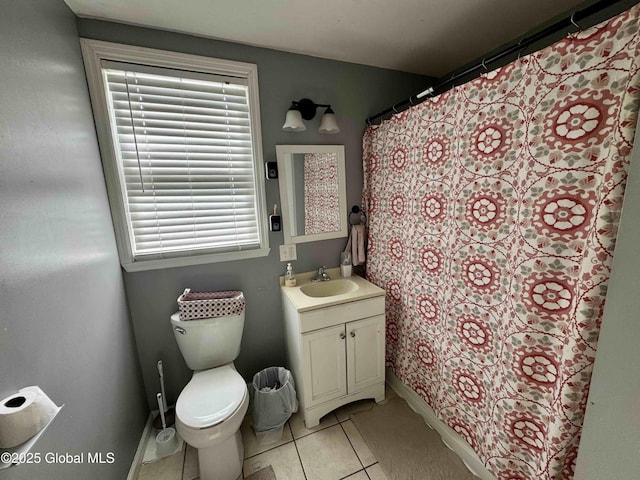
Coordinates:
(96,51)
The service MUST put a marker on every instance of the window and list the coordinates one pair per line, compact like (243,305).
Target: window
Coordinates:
(181,151)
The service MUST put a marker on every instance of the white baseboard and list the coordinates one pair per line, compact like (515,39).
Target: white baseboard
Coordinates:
(449,437)
(142,445)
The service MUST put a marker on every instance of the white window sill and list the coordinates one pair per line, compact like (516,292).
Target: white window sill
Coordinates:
(143,265)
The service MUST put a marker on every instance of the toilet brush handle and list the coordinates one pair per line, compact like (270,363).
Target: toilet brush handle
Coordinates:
(160,406)
(164,396)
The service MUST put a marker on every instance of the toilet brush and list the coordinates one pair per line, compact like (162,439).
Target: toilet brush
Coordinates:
(169,413)
(166,440)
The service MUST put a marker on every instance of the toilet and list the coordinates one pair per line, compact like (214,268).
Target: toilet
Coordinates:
(210,409)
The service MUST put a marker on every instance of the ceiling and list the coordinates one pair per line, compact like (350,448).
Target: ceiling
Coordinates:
(430,37)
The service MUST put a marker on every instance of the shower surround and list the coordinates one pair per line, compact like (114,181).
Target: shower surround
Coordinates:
(493,213)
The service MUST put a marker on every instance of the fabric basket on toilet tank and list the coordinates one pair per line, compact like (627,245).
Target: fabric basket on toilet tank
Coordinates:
(193,306)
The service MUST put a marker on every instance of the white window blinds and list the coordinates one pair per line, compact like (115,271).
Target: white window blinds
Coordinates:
(185,160)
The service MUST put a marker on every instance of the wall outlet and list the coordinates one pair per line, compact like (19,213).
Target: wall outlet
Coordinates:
(288,252)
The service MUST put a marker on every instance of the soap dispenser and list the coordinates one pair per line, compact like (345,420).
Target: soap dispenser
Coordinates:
(289,277)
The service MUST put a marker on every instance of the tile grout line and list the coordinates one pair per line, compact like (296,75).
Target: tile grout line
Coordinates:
(298,452)
(269,449)
(280,444)
(363,467)
(358,471)
(184,461)
(352,448)
(316,431)
(367,473)
(294,441)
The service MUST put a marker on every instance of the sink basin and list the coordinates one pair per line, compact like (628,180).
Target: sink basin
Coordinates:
(330,288)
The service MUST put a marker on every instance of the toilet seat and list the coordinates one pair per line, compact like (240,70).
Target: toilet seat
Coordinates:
(211,397)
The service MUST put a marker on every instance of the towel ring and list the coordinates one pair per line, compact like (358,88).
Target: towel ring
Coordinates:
(357,210)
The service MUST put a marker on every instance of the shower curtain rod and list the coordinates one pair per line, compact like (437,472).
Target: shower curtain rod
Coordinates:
(574,21)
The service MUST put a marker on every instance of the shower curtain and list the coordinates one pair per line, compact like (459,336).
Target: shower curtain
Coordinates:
(493,211)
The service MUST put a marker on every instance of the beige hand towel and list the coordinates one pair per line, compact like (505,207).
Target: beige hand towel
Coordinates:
(358,252)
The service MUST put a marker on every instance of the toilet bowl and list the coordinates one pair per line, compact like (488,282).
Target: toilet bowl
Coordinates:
(209,413)
(211,407)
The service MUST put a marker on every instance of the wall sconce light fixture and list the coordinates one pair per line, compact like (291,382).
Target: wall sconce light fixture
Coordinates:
(306,109)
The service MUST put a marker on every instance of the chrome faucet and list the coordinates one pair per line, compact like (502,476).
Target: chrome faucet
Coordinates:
(322,276)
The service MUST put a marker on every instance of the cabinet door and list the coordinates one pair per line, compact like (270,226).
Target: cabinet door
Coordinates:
(324,365)
(365,353)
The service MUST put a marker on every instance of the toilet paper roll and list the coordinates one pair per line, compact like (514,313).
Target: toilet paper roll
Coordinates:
(23,415)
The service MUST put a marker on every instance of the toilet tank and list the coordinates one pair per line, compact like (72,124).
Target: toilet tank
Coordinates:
(208,342)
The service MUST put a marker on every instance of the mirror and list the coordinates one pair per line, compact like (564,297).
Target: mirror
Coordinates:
(312,192)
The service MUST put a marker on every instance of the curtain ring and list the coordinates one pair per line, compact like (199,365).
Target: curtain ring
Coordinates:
(522,49)
(411,101)
(368,120)
(483,65)
(394,109)
(574,22)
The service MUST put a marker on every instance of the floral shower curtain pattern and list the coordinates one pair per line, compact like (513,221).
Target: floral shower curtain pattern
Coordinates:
(321,193)
(493,211)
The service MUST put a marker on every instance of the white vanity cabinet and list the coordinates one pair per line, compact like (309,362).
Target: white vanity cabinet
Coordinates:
(343,359)
(335,350)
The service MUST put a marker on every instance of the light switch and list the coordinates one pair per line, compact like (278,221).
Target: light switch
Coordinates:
(288,252)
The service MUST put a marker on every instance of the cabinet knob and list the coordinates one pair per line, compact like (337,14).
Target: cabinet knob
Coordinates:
(353,334)
(342,336)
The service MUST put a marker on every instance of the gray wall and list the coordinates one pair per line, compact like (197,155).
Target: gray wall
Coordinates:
(610,444)
(64,323)
(354,91)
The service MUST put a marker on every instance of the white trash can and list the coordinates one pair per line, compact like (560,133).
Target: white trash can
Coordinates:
(274,401)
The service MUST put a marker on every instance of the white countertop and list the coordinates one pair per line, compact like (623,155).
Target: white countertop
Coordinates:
(304,303)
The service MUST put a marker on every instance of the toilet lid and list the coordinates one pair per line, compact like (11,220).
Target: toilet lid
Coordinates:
(211,397)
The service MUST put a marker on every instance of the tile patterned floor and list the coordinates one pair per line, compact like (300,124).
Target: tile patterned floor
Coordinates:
(334,450)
